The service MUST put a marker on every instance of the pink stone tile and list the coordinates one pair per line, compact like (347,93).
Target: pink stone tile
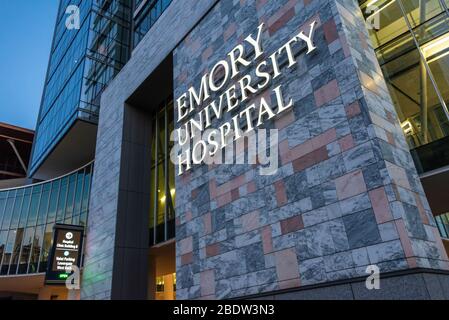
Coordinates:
(412,263)
(282,11)
(380,205)
(327,93)
(224,199)
(324,139)
(292,224)
(251,187)
(250,221)
(213,189)
(390,138)
(285,120)
(286,17)
(405,240)
(267,240)
(188,216)
(310,159)
(207,283)
(398,175)
(350,185)
(346,143)
(187,258)
(288,155)
(206,54)
(212,250)
(288,284)
(260,4)
(422,211)
(230,185)
(287,265)
(235,194)
(186,245)
(330,31)
(353,109)
(281,194)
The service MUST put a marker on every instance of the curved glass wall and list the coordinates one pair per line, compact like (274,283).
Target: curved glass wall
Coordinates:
(411,39)
(28,214)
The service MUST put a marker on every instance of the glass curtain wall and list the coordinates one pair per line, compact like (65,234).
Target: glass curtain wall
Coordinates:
(82,62)
(411,39)
(28,214)
(148,12)
(162,213)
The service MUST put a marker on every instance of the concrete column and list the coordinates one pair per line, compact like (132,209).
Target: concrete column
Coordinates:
(116,260)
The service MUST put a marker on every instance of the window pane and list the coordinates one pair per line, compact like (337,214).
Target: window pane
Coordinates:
(25,208)
(43,206)
(78,195)
(17,209)
(36,249)
(16,251)
(53,202)
(70,199)
(86,190)
(46,248)
(34,207)
(8,210)
(3,238)
(8,252)
(3,197)
(62,200)
(26,250)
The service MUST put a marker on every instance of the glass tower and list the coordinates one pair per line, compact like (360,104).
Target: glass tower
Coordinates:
(84,57)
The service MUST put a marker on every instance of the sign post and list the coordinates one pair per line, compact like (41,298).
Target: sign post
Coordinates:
(65,253)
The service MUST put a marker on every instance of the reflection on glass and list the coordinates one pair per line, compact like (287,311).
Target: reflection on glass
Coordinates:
(26,250)
(30,216)
(16,251)
(8,252)
(420,96)
(36,250)
(25,208)
(46,248)
(8,209)
(162,198)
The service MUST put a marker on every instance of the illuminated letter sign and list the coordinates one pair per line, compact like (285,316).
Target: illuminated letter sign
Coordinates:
(229,86)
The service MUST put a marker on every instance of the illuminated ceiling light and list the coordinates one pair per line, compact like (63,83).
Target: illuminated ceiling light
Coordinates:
(436,46)
(172,191)
(380,9)
(407,127)
(163,199)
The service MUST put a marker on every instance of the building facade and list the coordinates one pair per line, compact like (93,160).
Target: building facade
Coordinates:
(347,194)
(354,97)
(91,43)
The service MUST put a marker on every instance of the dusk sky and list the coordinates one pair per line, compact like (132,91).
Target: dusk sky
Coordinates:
(26,30)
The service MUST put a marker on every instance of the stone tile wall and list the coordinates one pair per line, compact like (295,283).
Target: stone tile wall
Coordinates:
(346,194)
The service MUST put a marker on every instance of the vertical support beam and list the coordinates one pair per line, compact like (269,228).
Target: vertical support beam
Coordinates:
(423,82)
